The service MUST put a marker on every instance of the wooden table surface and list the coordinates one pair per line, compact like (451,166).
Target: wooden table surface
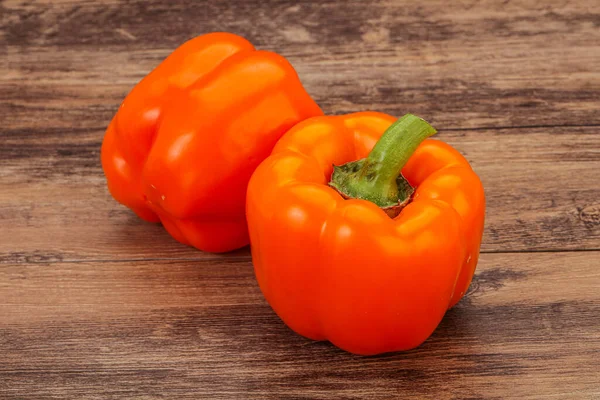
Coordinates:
(95,303)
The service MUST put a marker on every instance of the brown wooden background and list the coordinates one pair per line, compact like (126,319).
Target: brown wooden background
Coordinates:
(95,303)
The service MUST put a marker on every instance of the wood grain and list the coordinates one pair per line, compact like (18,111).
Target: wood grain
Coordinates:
(70,63)
(541,187)
(527,328)
(96,304)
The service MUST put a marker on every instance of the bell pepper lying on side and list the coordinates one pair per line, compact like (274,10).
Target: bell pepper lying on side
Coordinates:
(358,258)
(186,140)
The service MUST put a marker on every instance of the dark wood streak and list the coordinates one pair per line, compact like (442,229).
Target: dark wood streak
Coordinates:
(68,23)
(96,304)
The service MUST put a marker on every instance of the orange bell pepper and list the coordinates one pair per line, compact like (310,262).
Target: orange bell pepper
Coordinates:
(358,258)
(187,138)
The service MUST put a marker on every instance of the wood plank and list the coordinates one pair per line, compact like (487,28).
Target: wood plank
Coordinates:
(69,63)
(541,186)
(528,328)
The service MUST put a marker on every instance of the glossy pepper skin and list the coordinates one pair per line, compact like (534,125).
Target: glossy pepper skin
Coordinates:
(185,141)
(344,271)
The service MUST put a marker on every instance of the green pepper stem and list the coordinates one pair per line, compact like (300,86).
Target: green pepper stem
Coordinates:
(378,177)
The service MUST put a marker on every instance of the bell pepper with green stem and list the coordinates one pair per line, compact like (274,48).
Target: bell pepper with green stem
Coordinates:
(368,254)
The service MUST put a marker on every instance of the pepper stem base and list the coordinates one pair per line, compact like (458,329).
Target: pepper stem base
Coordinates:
(344,179)
(378,178)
